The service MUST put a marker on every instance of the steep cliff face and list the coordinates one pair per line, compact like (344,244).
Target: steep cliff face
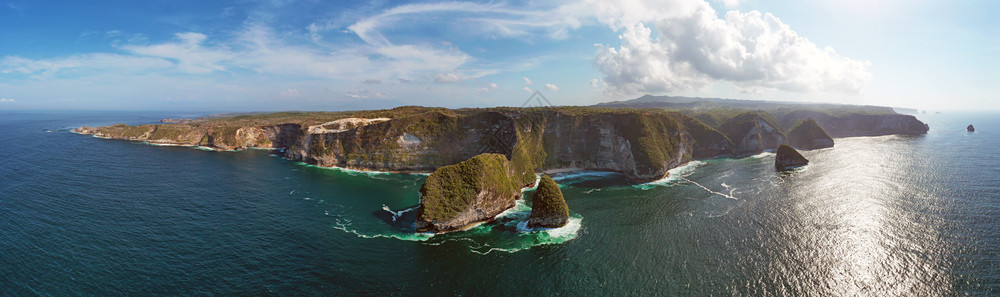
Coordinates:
(807,134)
(458,196)
(708,142)
(642,146)
(419,142)
(752,133)
(223,137)
(857,124)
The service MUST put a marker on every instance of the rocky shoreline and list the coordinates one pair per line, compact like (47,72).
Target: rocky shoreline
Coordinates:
(641,144)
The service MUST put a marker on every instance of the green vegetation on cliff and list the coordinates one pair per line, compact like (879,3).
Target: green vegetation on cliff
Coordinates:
(452,189)
(548,207)
(529,153)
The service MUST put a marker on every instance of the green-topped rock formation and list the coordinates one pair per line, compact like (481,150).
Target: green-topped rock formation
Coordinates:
(807,134)
(456,197)
(788,158)
(548,207)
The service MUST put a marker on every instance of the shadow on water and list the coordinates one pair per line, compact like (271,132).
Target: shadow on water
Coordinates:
(402,220)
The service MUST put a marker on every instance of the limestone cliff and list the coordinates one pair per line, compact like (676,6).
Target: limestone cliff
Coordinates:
(858,124)
(807,134)
(641,144)
(752,133)
(458,196)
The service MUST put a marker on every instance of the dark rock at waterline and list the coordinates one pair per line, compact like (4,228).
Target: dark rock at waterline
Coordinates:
(788,158)
(970,128)
(548,207)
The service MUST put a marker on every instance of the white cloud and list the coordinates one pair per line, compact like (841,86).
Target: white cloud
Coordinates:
(189,53)
(494,85)
(693,48)
(7,100)
(446,78)
(291,93)
(364,94)
(551,87)
(527,81)
(527,89)
(597,83)
(372,82)
(482,90)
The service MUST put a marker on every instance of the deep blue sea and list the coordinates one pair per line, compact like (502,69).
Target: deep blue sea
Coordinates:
(872,216)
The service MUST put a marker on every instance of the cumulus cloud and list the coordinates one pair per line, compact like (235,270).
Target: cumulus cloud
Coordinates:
(7,100)
(693,48)
(494,85)
(446,78)
(527,81)
(551,87)
(527,89)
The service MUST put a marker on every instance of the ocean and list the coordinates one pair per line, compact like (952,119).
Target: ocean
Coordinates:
(872,216)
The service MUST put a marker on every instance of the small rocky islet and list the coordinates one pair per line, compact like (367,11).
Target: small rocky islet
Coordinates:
(787,158)
(480,158)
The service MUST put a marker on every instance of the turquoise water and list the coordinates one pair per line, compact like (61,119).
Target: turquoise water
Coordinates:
(876,216)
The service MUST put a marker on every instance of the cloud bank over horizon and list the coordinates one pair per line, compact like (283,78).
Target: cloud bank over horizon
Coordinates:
(439,53)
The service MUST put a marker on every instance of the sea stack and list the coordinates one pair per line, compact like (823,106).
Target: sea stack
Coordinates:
(548,208)
(970,128)
(788,158)
(457,197)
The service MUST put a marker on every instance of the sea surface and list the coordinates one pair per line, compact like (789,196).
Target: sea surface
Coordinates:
(872,216)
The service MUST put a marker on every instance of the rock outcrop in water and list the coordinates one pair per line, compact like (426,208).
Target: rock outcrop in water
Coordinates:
(788,158)
(807,134)
(548,207)
(970,128)
(473,191)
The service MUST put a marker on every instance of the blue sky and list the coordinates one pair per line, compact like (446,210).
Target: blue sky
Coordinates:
(335,55)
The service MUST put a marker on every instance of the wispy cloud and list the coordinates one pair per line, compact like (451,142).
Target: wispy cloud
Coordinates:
(7,100)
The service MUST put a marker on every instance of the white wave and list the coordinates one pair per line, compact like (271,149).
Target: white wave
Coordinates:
(165,144)
(673,175)
(353,171)
(397,214)
(762,155)
(401,236)
(730,196)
